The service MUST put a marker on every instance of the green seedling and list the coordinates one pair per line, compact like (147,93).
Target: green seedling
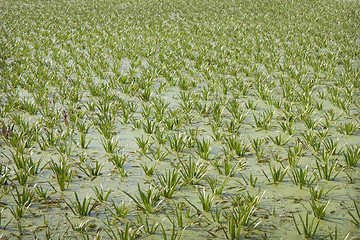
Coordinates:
(160,106)
(20,160)
(287,127)
(158,155)
(109,145)
(218,134)
(128,233)
(182,213)
(236,111)
(149,171)
(229,168)
(218,110)
(263,120)
(263,91)
(331,146)
(347,128)
(64,148)
(168,182)
(83,127)
(23,201)
(322,134)
(217,187)
(22,176)
(354,215)
(174,234)
(92,170)
(119,210)
(334,235)
(237,146)
(143,144)
(145,94)
(351,155)
(161,135)
(256,143)
(147,201)
(310,139)
(105,128)
(136,122)
(191,172)
(101,195)
(205,199)
(83,143)
(147,227)
(203,148)
(63,172)
(82,208)
(328,170)
(292,158)
(237,218)
(251,104)
(316,193)
(202,108)
(280,140)
(309,228)
(301,176)
(149,126)
(4,174)
(177,142)
(43,194)
(311,123)
(145,110)
(251,180)
(118,159)
(276,174)
(81,227)
(319,210)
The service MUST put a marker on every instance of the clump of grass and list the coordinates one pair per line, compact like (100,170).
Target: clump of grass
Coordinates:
(101,195)
(277,174)
(203,148)
(191,172)
(82,208)
(205,199)
(239,147)
(319,210)
(347,128)
(149,171)
(302,177)
(63,172)
(328,170)
(251,180)
(92,170)
(177,141)
(126,233)
(309,228)
(144,144)
(147,201)
(352,155)
(23,201)
(148,227)
(119,210)
(169,182)
(354,215)
(109,145)
(217,186)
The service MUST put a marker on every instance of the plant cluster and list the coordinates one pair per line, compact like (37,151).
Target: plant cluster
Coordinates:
(125,119)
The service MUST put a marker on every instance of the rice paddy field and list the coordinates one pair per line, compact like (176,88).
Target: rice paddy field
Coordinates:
(149,119)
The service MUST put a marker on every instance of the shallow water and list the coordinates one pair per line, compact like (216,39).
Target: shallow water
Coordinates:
(148,45)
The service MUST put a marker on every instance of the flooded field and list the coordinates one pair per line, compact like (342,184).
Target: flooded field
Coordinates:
(179,119)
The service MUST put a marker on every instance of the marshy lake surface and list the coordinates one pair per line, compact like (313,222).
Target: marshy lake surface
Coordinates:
(179,119)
